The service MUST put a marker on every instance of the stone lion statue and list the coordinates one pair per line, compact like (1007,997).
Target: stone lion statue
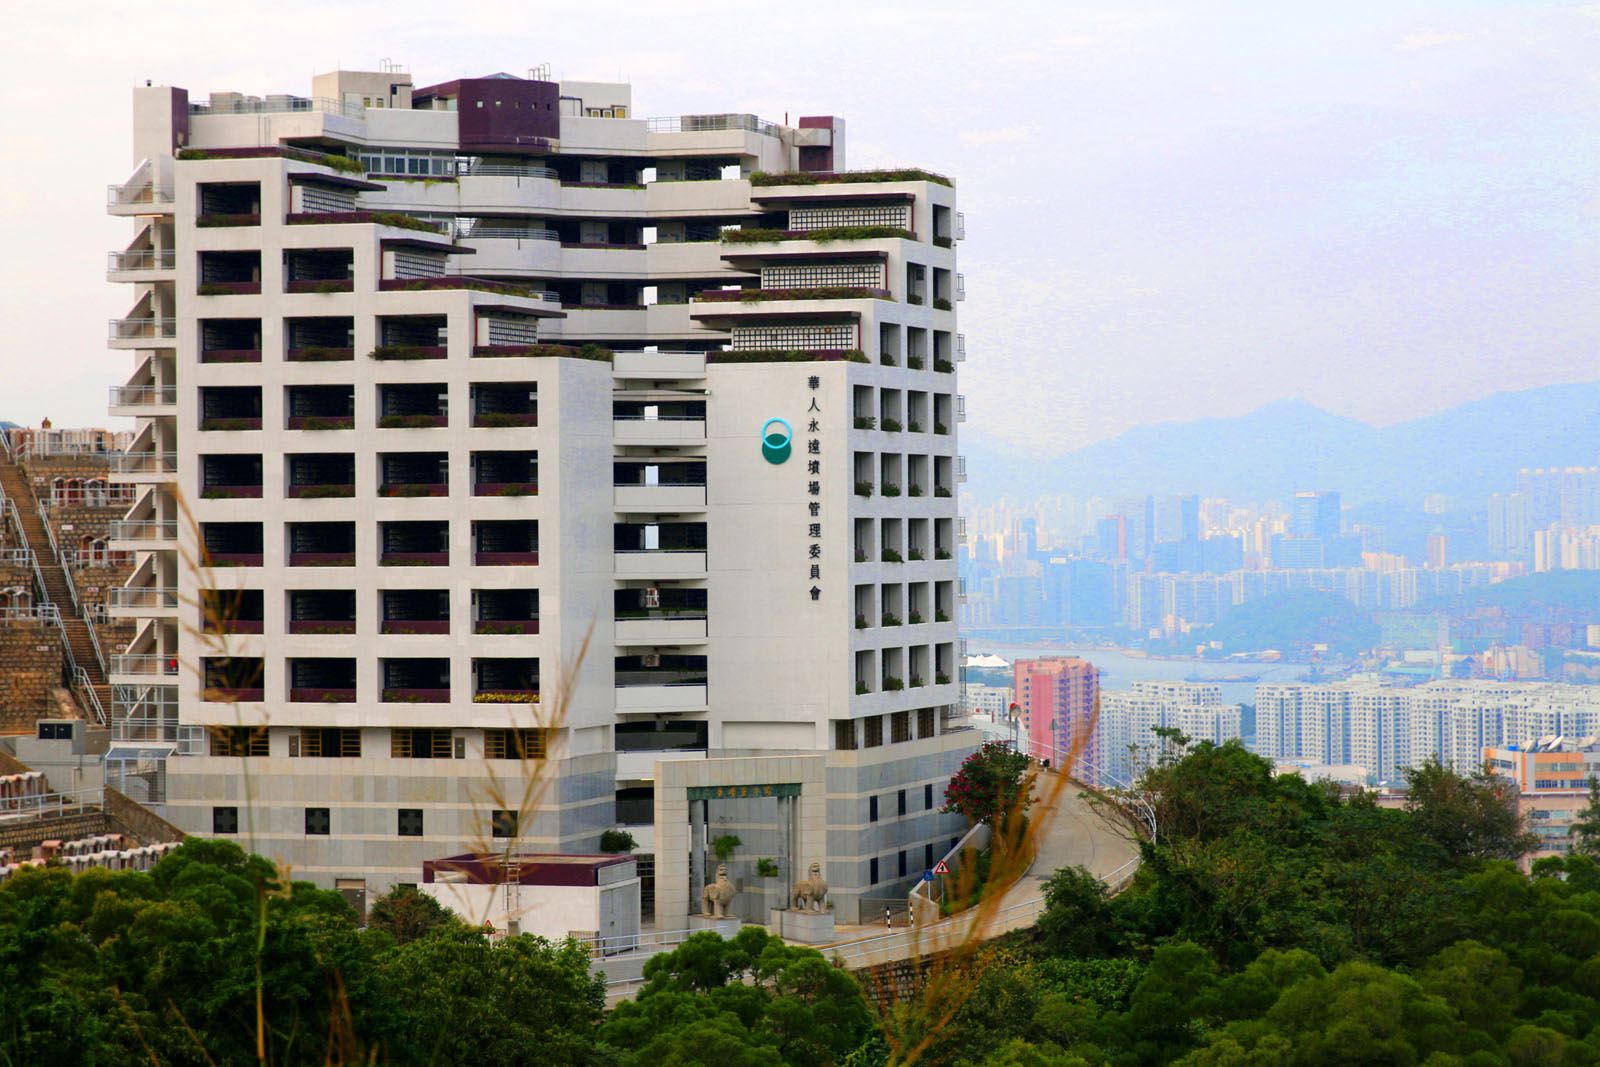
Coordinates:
(810,894)
(717,895)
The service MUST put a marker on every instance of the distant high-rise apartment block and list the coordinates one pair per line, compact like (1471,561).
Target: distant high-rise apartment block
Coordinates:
(436,387)
(1129,719)
(1315,514)
(1057,697)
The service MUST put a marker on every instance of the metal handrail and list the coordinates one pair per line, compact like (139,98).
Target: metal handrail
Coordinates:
(33,557)
(506,170)
(711,123)
(55,554)
(144,463)
(275,105)
(127,395)
(45,805)
(145,663)
(137,192)
(81,677)
(142,596)
(143,530)
(470,229)
(142,259)
(36,613)
(15,557)
(135,329)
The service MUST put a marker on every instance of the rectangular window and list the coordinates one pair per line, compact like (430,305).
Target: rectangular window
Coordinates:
(410,822)
(927,799)
(927,855)
(903,863)
(503,824)
(873,726)
(872,810)
(902,801)
(514,744)
(420,743)
(872,871)
(924,722)
(319,821)
(238,740)
(844,735)
(224,820)
(329,743)
(900,727)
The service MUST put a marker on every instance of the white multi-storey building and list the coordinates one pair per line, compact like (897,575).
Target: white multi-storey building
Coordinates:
(1128,719)
(485,433)
(1388,729)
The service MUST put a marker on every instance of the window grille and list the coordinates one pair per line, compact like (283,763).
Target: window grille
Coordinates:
(817,218)
(812,275)
(782,338)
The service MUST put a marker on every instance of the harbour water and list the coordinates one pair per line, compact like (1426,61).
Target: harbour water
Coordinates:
(1118,670)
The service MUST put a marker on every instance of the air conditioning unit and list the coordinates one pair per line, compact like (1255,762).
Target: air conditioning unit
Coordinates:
(651,659)
(652,597)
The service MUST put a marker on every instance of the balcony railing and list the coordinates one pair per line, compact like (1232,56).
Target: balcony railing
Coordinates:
(711,123)
(628,679)
(281,104)
(143,530)
(142,596)
(415,626)
(127,396)
(499,419)
(144,663)
(503,170)
(233,694)
(141,329)
(138,192)
(505,559)
(143,259)
(506,626)
(233,626)
(232,559)
(230,492)
(230,355)
(505,488)
(322,559)
(413,695)
(318,694)
(414,559)
(323,626)
(144,463)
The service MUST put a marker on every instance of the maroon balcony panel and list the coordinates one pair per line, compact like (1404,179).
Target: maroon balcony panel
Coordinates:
(416,626)
(416,696)
(233,559)
(231,355)
(416,352)
(505,489)
(516,627)
(231,492)
(505,559)
(412,422)
(322,559)
(319,354)
(321,422)
(230,424)
(221,288)
(322,626)
(412,489)
(321,285)
(233,626)
(322,695)
(219,695)
(314,492)
(496,419)
(414,559)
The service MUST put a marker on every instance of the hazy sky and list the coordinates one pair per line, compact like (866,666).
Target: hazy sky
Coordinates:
(1173,210)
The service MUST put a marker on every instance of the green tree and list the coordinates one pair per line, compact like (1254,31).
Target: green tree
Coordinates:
(1585,831)
(1469,816)
(406,914)
(994,786)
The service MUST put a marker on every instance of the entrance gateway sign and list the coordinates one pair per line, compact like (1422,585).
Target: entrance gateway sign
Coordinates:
(743,792)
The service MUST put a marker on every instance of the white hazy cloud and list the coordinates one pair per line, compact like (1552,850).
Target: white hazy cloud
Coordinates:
(1173,209)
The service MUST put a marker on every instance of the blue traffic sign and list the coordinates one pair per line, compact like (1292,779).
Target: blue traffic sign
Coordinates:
(927,876)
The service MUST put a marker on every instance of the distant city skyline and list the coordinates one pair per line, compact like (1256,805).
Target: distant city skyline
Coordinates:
(1175,211)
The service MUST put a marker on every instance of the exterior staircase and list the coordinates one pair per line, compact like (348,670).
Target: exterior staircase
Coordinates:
(74,627)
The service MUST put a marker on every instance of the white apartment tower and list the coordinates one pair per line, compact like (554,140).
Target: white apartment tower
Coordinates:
(435,385)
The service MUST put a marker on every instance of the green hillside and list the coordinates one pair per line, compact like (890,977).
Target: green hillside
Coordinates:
(1295,621)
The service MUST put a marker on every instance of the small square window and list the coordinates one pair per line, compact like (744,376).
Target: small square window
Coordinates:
(224,820)
(872,812)
(503,824)
(410,823)
(319,821)
(872,871)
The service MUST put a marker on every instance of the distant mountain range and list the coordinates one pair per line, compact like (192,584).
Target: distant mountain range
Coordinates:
(1466,452)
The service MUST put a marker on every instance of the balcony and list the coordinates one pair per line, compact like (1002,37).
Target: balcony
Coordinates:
(415,626)
(322,491)
(504,419)
(659,431)
(231,492)
(232,626)
(138,197)
(636,694)
(492,558)
(146,465)
(232,559)
(413,489)
(143,399)
(398,558)
(144,665)
(506,627)
(505,488)
(133,532)
(661,563)
(320,354)
(410,695)
(141,600)
(147,332)
(141,263)
(660,498)
(661,629)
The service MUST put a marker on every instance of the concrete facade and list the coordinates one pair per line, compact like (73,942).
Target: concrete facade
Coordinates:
(455,516)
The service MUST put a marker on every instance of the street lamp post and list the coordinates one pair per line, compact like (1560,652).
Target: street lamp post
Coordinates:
(1015,720)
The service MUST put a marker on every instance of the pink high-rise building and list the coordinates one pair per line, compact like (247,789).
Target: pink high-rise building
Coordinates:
(1058,698)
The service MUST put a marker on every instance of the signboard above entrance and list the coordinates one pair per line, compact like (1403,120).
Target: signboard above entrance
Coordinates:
(743,792)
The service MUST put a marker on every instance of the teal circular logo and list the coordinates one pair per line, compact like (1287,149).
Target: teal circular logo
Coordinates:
(776,436)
